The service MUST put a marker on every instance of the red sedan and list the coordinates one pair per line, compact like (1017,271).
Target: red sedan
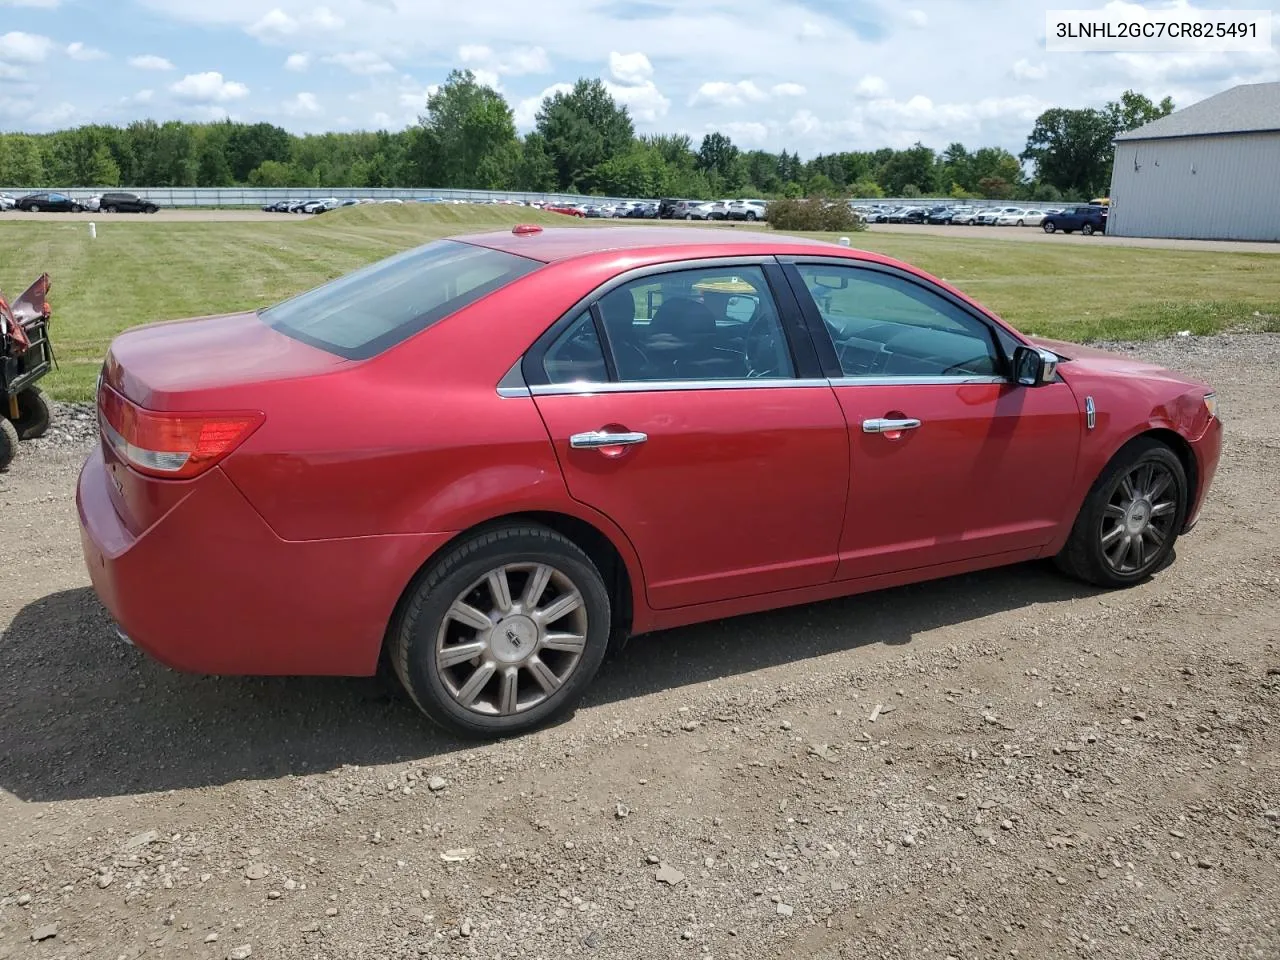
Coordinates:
(484,458)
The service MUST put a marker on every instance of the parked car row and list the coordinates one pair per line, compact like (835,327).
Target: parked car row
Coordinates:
(672,208)
(51,201)
(1087,218)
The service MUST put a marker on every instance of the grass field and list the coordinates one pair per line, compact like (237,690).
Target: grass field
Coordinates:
(136,272)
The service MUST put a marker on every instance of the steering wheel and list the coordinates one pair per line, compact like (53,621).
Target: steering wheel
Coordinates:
(634,355)
(756,336)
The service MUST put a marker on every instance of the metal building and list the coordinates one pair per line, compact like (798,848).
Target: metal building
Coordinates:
(1210,171)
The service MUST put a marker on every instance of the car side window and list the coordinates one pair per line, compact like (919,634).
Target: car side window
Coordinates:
(715,323)
(885,326)
(576,356)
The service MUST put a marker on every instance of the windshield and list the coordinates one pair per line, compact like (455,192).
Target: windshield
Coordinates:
(363,313)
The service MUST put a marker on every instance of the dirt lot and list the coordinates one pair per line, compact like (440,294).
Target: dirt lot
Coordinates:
(1051,771)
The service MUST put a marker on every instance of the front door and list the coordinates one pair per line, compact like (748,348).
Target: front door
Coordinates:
(676,409)
(949,461)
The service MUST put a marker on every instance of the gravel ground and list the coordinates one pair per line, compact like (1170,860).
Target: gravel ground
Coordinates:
(1006,764)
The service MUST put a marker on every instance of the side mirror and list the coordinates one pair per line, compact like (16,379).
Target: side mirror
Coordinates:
(1033,367)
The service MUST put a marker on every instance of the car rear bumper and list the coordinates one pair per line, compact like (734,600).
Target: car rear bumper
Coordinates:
(210,588)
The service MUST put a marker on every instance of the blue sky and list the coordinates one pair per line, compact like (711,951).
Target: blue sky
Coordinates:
(806,75)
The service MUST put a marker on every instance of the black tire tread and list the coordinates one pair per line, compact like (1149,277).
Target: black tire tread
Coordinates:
(430,579)
(1076,558)
(8,443)
(36,413)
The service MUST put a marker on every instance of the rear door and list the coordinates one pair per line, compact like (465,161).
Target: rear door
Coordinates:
(949,459)
(685,404)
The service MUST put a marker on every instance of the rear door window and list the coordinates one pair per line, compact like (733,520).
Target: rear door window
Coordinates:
(363,313)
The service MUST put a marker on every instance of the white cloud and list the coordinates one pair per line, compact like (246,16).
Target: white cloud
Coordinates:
(149,61)
(19,47)
(811,31)
(144,96)
(787,90)
(488,78)
(724,94)
(208,88)
(870,86)
(78,51)
(630,68)
(918,18)
(526,111)
(363,63)
(59,115)
(382,121)
(414,99)
(515,62)
(322,18)
(274,22)
(803,123)
(1026,70)
(9,72)
(645,101)
(745,132)
(298,62)
(303,105)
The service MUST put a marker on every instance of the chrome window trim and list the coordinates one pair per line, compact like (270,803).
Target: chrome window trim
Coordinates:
(584,388)
(939,381)
(512,384)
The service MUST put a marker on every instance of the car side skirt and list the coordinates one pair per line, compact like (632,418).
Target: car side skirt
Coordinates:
(652,620)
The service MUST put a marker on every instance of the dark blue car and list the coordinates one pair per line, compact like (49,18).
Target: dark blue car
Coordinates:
(1088,220)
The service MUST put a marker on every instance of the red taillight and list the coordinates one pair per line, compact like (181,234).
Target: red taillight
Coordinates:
(176,446)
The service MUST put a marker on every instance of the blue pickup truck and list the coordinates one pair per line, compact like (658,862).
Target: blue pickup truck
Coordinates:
(1088,220)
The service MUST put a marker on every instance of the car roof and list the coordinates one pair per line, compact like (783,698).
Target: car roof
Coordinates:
(566,243)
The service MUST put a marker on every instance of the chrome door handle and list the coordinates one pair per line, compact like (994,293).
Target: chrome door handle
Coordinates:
(889,426)
(599,438)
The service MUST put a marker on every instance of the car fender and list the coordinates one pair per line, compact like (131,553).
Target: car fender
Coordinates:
(1171,406)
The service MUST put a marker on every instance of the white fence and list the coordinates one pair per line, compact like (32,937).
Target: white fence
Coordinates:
(261,196)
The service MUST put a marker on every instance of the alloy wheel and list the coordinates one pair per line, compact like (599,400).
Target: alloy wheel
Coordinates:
(512,639)
(1138,518)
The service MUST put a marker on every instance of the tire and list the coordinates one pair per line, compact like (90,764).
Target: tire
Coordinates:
(35,413)
(688,216)
(423,630)
(152,210)
(1104,517)
(1087,230)
(1049,226)
(8,443)
(34,208)
(76,208)
(751,216)
(111,209)
(1021,224)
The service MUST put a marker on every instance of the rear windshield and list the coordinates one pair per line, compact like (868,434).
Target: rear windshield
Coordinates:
(359,315)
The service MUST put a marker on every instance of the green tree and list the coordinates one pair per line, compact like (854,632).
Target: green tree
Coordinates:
(717,155)
(912,166)
(639,173)
(101,169)
(1134,109)
(467,137)
(248,146)
(865,189)
(534,170)
(1071,149)
(22,162)
(582,129)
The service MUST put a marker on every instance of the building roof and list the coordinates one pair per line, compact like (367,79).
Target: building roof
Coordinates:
(1249,108)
